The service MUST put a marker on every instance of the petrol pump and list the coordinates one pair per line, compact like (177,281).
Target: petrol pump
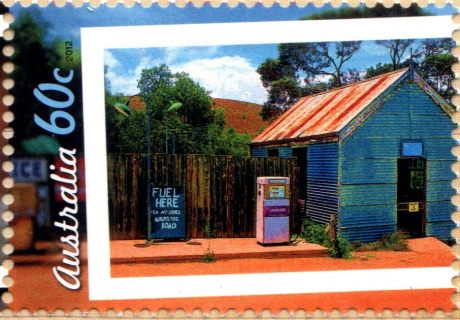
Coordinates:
(273,210)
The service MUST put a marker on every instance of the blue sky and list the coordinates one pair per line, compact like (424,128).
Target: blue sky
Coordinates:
(226,71)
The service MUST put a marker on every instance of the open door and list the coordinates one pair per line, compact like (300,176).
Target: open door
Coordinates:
(412,195)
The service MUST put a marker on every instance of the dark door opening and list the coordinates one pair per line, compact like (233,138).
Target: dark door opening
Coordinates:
(301,155)
(300,214)
(412,195)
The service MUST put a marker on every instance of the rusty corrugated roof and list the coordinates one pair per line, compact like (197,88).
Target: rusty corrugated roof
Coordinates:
(328,112)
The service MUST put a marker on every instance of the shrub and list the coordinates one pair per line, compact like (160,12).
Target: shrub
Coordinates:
(209,256)
(316,233)
(313,232)
(340,248)
(396,241)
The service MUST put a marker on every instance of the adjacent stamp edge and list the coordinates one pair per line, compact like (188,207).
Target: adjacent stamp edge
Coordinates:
(6,198)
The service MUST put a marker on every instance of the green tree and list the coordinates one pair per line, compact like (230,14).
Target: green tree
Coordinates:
(272,69)
(436,46)
(313,60)
(193,128)
(305,68)
(226,141)
(282,94)
(397,48)
(432,60)
(378,69)
(282,85)
(188,126)
(301,69)
(436,70)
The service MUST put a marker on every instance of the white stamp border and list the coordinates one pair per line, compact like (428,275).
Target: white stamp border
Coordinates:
(93,43)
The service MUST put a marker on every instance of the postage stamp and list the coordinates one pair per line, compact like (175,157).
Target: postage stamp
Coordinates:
(202,160)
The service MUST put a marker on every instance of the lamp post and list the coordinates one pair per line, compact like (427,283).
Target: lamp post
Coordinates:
(126,111)
(173,107)
(149,158)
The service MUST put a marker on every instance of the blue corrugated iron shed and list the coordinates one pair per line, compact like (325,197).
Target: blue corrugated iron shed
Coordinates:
(377,156)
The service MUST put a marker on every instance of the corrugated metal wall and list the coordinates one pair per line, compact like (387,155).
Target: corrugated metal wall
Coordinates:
(285,152)
(435,127)
(369,166)
(259,152)
(322,181)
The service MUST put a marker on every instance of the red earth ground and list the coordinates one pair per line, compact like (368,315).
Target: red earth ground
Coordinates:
(424,252)
(35,286)
(244,117)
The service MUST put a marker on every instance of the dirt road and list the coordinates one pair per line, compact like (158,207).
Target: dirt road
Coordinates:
(35,286)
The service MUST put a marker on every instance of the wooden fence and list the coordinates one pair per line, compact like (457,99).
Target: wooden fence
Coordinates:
(220,192)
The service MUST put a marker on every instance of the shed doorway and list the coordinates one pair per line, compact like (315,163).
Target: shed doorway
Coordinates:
(412,195)
(301,155)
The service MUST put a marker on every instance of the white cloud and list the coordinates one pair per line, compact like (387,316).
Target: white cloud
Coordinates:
(230,77)
(322,78)
(109,60)
(125,83)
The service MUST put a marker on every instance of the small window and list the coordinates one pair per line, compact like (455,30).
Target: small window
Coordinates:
(412,149)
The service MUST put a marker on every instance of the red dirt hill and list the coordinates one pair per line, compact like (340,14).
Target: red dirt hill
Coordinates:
(244,117)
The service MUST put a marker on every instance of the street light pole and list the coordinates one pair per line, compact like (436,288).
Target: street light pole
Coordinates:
(173,107)
(126,111)
(166,140)
(149,160)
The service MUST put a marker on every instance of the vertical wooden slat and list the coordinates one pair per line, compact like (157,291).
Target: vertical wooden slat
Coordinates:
(208,194)
(229,195)
(219,188)
(133,203)
(110,182)
(243,190)
(222,203)
(141,196)
(189,194)
(193,231)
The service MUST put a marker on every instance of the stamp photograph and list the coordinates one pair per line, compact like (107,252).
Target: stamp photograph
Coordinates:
(199,159)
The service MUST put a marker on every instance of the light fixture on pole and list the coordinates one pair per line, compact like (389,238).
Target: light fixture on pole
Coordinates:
(122,108)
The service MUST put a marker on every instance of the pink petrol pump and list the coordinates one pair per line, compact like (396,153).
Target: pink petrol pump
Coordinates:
(273,210)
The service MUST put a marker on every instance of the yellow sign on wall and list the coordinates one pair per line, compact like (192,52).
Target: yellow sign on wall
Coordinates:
(413,207)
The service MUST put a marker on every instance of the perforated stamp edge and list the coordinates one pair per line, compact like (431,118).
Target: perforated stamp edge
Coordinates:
(7,151)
